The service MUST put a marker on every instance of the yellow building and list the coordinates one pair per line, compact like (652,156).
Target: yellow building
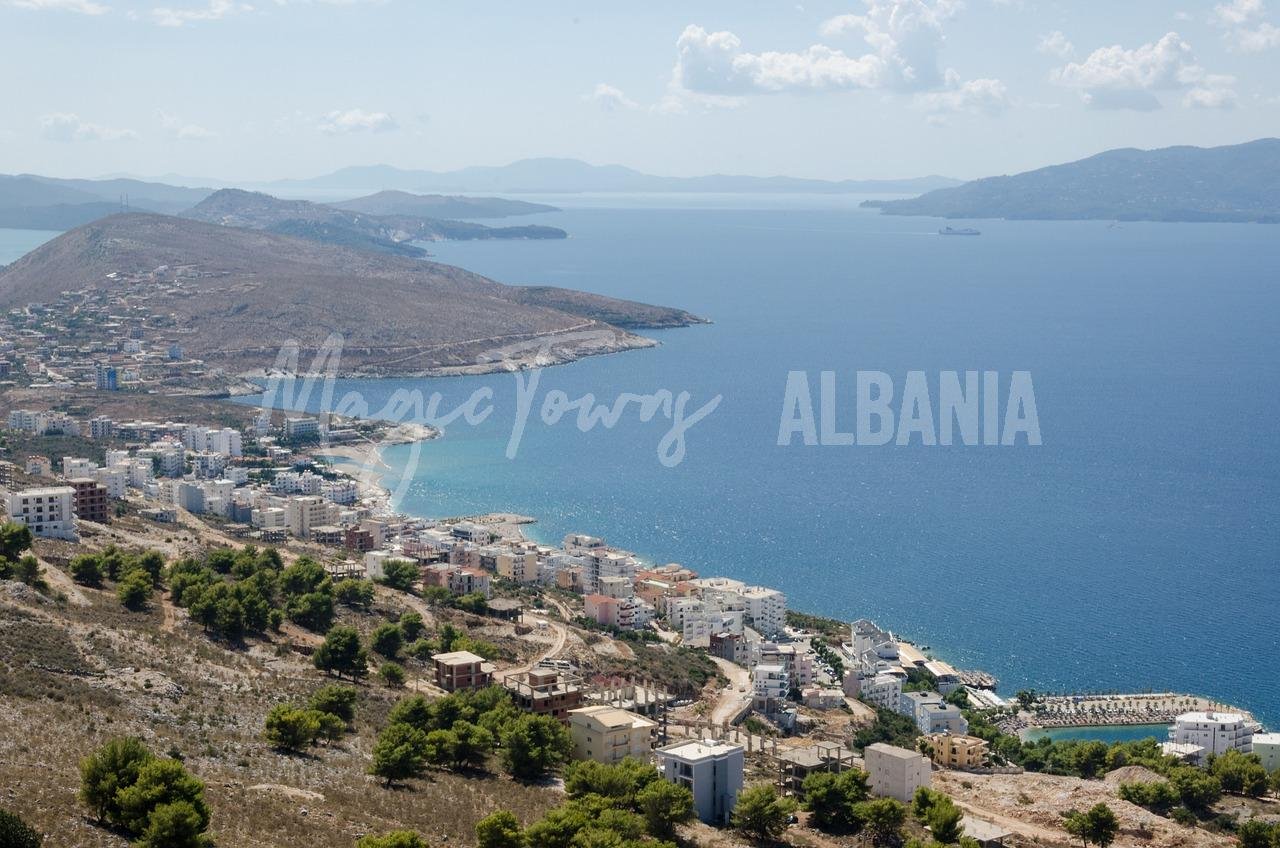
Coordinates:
(520,567)
(608,734)
(957,752)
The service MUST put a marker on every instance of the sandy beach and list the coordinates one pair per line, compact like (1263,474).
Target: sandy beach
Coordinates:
(363,460)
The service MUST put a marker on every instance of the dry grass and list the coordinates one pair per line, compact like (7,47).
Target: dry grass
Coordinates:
(73,676)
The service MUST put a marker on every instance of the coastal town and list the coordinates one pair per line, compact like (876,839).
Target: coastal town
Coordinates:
(111,338)
(786,695)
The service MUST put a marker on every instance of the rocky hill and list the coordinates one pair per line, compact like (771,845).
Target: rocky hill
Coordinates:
(243,293)
(1234,183)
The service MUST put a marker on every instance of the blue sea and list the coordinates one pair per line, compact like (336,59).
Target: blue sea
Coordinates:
(1135,549)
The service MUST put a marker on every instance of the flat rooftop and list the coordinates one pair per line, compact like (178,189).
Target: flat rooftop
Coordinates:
(893,751)
(614,717)
(1212,717)
(694,750)
(457,658)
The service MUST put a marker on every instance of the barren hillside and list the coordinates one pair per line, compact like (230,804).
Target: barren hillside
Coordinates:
(241,294)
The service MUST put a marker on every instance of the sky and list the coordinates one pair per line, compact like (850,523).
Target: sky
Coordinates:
(268,89)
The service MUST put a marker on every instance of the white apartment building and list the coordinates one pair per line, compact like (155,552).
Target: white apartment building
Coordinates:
(74,466)
(270,518)
(769,687)
(115,478)
(638,611)
(342,492)
(226,441)
(236,474)
(1214,732)
(896,772)
(696,623)
(798,664)
(765,608)
(583,545)
(184,495)
(932,714)
(47,511)
(301,428)
(217,496)
(43,423)
(712,771)
(941,718)
(297,483)
(168,458)
(140,472)
(604,564)
(882,690)
(25,419)
(1267,747)
(208,464)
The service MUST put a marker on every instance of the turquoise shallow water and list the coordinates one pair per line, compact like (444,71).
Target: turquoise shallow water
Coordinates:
(1137,549)
(1106,733)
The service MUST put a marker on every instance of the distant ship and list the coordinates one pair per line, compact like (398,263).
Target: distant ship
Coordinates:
(961,231)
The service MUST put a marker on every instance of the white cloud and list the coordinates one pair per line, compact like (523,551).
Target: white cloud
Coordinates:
(1238,12)
(83,7)
(216,10)
(714,63)
(1215,92)
(1263,37)
(899,45)
(610,98)
(979,96)
(1056,44)
(1167,63)
(65,126)
(1245,28)
(1116,78)
(182,130)
(899,42)
(905,36)
(341,122)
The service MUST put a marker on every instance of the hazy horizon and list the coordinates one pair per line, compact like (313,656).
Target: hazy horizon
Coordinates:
(861,89)
(207,180)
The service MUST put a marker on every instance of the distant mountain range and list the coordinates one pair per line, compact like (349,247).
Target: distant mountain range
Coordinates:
(233,207)
(1234,183)
(241,293)
(554,176)
(28,201)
